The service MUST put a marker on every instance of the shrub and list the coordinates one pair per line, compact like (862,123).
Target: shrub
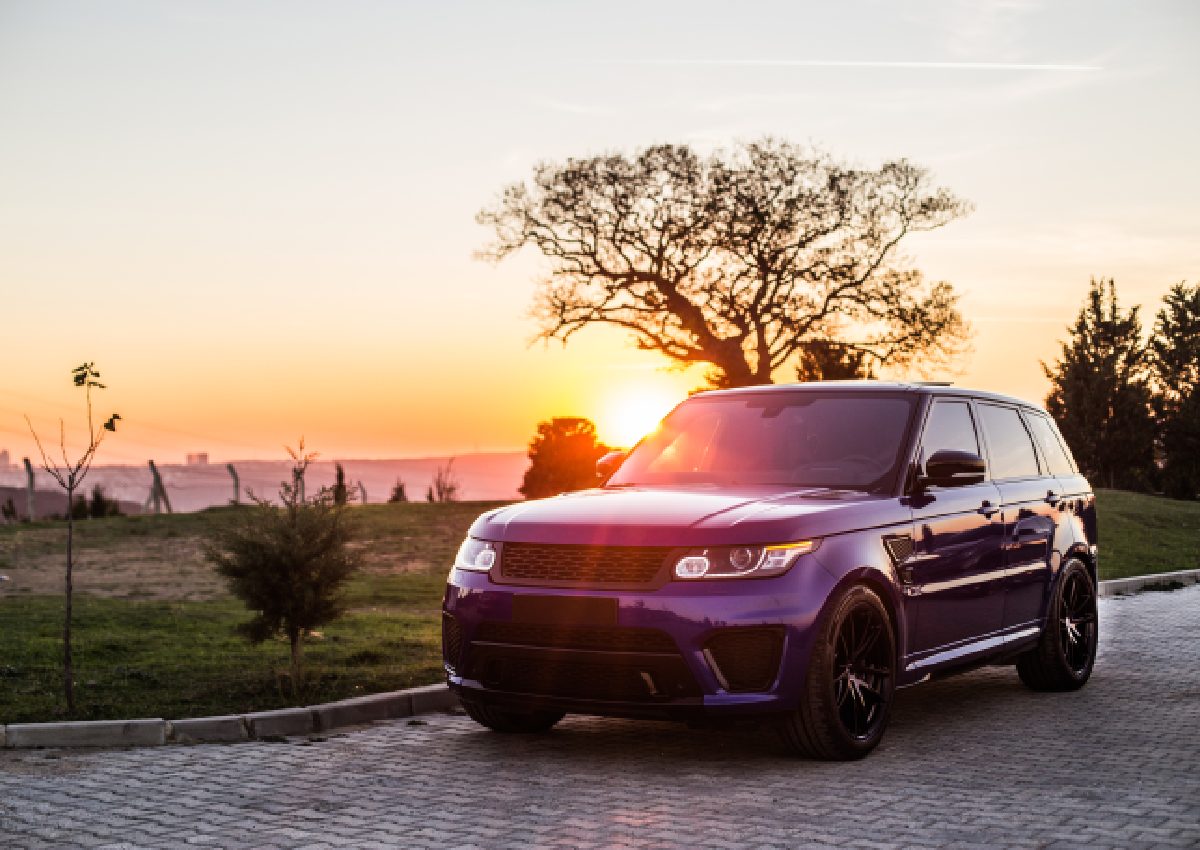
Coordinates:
(288,565)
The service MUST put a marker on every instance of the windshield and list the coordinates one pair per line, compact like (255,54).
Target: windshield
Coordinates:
(849,441)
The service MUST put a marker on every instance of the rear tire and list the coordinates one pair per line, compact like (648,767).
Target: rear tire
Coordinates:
(850,685)
(1066,653)
(511,721)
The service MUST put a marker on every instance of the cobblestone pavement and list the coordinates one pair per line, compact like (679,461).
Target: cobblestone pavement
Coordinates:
(974,761)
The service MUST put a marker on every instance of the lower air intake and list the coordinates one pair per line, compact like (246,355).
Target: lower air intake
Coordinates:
(745,659)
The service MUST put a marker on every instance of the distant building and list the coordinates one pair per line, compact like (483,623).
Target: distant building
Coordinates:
(5,460)
(197,459)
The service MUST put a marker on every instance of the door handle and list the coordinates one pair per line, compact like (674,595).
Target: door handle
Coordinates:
(988,509)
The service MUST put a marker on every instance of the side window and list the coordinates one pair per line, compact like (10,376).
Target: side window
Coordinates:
(1011,450)
(950,426)
(1052,449)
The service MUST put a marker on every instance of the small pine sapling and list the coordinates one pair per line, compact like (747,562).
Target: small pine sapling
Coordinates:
(288,564)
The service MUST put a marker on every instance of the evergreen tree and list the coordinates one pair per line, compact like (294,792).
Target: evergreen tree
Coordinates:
(1100,393)
(1174,351)
(289,564)
(562,457)
(822,360)
(101,506)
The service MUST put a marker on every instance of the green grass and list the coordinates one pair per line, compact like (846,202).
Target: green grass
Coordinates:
(182,659)
(137,658)
(140,658)
(1142,535)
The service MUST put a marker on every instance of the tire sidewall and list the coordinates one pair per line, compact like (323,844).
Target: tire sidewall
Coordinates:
(820,670)
(1072,566)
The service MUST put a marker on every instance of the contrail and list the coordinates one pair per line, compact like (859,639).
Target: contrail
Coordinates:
(834,63)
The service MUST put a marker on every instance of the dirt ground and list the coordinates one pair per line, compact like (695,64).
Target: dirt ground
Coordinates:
(141,568)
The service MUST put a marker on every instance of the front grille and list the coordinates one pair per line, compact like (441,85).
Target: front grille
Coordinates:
(451,641)
(575,564)
(599,638)
(745,659)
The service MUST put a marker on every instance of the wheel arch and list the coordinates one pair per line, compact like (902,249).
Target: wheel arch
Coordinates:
(1081,552)
(886,589)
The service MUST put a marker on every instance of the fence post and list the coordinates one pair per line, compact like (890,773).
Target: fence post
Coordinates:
(159,492)
(237,488)
(29,501)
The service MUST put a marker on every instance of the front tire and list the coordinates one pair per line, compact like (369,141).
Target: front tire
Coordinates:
(511,721)
(850,685)
(1066,653)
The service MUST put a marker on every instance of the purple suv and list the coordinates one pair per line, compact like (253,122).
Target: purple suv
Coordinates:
(792,553)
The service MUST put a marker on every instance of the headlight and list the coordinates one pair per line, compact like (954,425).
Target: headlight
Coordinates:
(742,561)
(476,555)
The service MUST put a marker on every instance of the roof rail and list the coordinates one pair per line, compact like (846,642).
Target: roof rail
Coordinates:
(933,383)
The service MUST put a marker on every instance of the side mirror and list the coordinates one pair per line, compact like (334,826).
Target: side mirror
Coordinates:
(946,468)
(610,463)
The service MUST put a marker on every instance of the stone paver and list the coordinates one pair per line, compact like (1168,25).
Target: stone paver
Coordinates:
(973,761)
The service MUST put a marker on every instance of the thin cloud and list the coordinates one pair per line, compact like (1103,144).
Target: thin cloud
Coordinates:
(854,63)
(572,108)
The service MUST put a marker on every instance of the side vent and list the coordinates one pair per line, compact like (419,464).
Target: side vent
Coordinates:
(899,547)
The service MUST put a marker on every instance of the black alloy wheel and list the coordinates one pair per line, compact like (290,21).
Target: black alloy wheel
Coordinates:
(1077,622)
(850,683)
(862,671)
(1066,653)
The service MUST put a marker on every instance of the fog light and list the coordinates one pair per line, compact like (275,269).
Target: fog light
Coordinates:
(693,566)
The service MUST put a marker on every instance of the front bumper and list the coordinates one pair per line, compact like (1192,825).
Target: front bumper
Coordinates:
(687,650)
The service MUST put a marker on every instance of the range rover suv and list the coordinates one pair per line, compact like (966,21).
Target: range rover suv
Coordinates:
(792,553)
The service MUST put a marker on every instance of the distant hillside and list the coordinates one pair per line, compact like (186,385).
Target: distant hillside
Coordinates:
(51,502)
(483,477)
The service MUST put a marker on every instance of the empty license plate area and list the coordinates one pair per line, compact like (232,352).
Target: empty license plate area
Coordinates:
(564,610)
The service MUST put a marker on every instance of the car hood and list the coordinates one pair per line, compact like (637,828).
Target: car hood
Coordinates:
(688,516)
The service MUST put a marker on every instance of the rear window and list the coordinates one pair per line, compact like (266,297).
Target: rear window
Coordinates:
(1052,448)
(1009,446)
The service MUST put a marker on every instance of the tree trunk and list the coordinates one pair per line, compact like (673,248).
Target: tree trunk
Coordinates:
(68,671)
(733,371)
(296,637)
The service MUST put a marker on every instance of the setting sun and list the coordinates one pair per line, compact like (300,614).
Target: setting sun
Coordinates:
(630,413)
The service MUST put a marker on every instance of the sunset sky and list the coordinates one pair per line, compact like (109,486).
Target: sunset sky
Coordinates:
(258,218)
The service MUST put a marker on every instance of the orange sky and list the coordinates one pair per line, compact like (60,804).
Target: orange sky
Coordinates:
(259,220)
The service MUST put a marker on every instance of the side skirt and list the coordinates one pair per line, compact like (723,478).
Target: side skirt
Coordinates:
(973,654)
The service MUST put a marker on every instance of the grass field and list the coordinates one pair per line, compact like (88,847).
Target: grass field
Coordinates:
(154,625)
(1141,534)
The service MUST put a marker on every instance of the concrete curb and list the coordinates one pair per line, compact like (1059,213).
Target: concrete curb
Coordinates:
(150,732)
(280,723)
(364,709)
(230,728)
(222,729)
(286,722)
(1160,581)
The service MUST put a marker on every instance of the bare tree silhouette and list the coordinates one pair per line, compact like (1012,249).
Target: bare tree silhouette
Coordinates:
(70,477)
(738,260)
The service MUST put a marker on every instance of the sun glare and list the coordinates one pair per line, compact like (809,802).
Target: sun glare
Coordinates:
(630,414)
